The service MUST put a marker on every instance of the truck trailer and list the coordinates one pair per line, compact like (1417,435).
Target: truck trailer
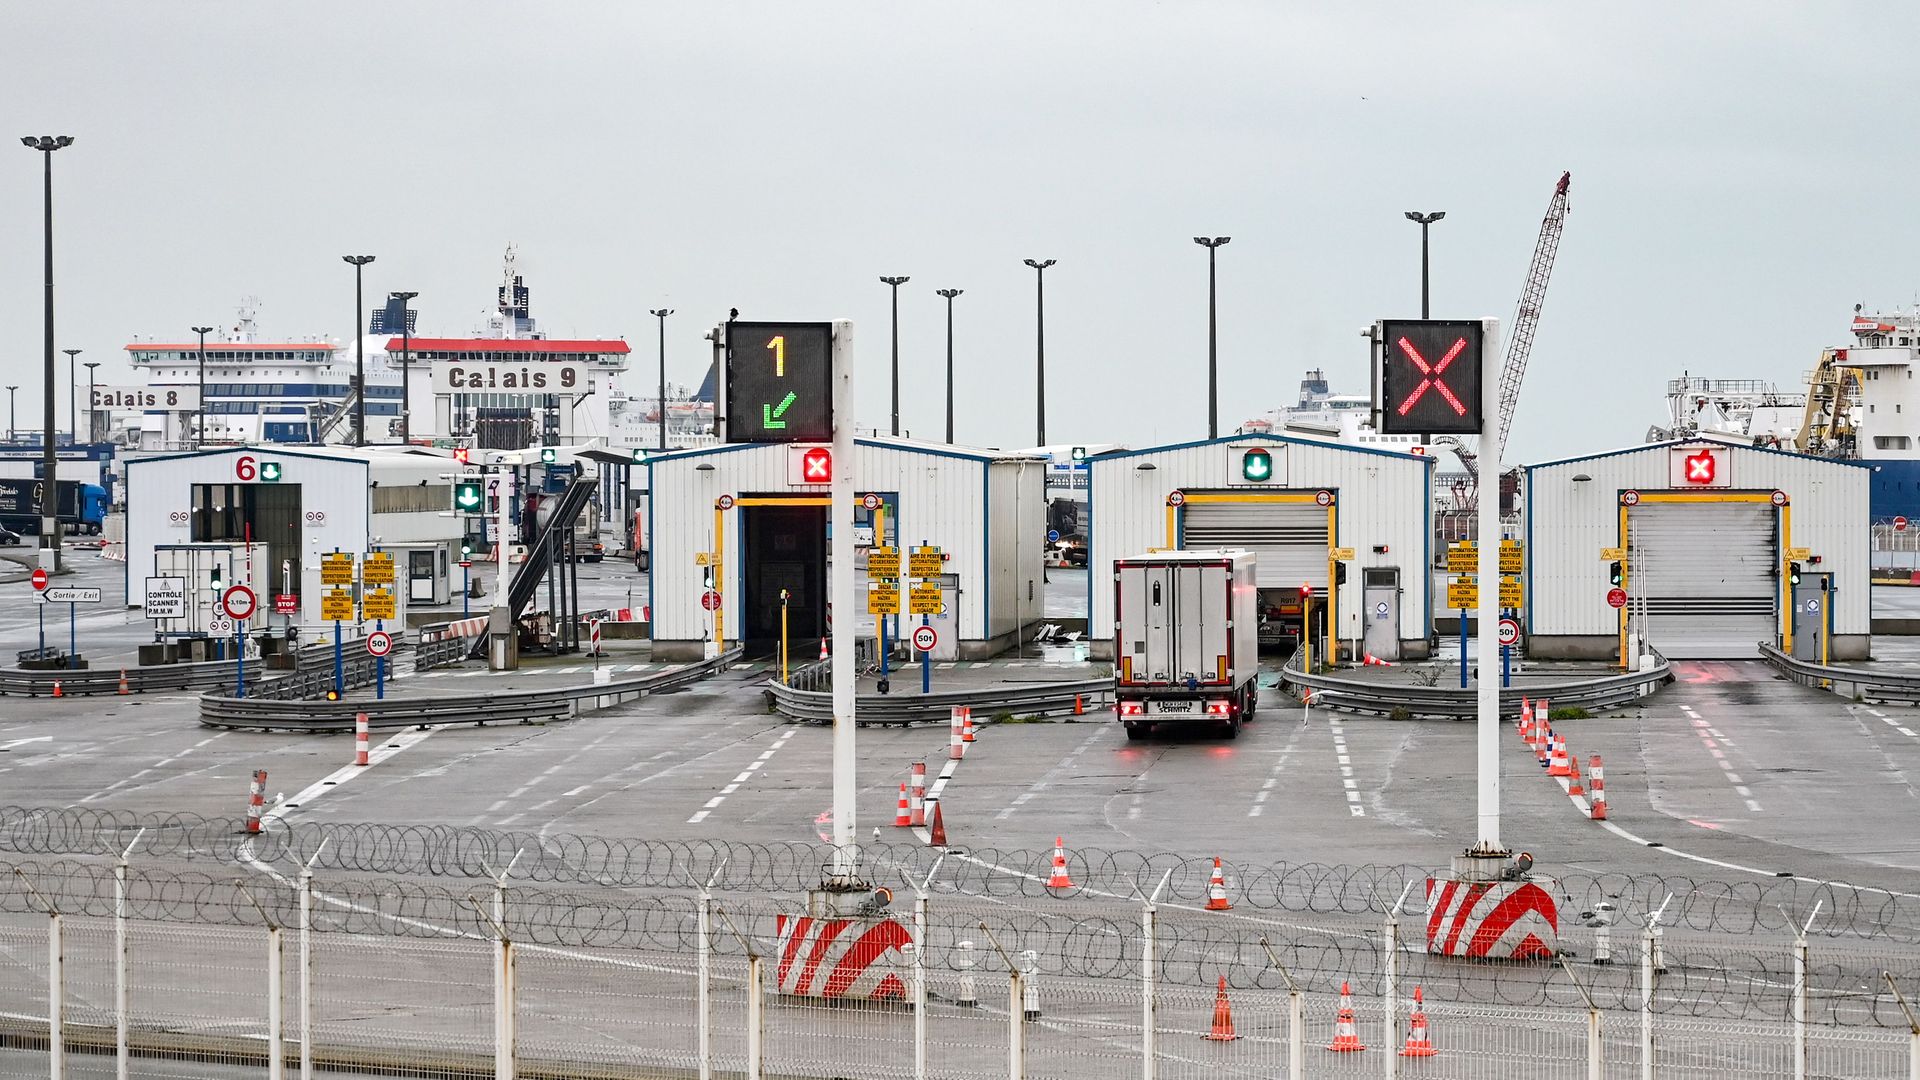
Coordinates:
(1186,640)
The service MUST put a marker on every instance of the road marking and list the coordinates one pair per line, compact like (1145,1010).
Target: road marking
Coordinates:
(1340,755)
(758,764)
(1065,765)
(1712,740)
(391,747)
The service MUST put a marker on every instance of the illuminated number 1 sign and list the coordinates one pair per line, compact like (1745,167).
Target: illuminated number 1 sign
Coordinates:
(779,382)
(1430,377)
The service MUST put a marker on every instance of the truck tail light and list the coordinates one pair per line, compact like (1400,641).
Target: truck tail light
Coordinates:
(1132,708)
(1219,708)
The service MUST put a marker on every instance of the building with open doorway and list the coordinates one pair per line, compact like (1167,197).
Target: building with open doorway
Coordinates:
(736,525)
(1313,513)
(1704,540)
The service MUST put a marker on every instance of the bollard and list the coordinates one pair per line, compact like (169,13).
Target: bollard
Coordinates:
(956,749)
(1599,789)
(966,996)
(1030,984)
(917,795)
(256,800)
(360,739)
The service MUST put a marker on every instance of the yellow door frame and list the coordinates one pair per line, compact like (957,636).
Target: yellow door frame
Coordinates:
(1783,600)
(720,548)
(1290,498)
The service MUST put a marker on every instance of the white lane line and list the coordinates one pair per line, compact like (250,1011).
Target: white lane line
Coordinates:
(1059,771)
(393,745)
(1712,740)
(932,798)
(1341,756)
(758,764)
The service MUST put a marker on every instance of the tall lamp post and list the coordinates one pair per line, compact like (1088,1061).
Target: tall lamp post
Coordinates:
(1040,344)
(950,294)
(895,283)
(661,314)
(10,432)
(1424,220)
(73,381)
(91,424)
(49,507)
(359,353)
(200,419)
(406,367)
(1213,244)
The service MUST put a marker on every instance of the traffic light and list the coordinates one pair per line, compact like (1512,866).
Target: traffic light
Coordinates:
(1079,454)
(816,465)
(466,549)
(460,454)
(1793,573)
(1256,466)
(1306,590)
(1339,573)
(549,455)
(1430,377)
(1613,574)
(214,576)
(469,495)
(639,456)
(270,472)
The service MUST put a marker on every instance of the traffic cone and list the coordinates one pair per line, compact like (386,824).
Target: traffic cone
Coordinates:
(57,692)
(1346,1039)
(123,680)
(1599,809)
(1222,1016)
(901,817)
(937,832)
(1573,780)
(966,724)
(1558,766)
(823,648)
(256,800)
(1542,743)
(1217,889)
(1059,879)
(1418,1045)
(1079,706)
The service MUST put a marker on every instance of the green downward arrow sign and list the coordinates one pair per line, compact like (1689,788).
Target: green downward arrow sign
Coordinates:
(770,414)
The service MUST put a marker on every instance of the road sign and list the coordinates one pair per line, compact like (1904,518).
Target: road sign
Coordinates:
(870,501)
(1343,554)
(816,465)
(1779,498)
(1463,593)
(239,602)
(1176,498)
(336,605)
(883,598)
(1053,536)
(1899,524)
(378,569)
(779,382)
(379,643)
(39,579)
(166,598)
(286,604)
(925,562)
(724,502)
(1323,498)
(377,604)
(1799,554)
(883,562)
(1616,598)
(1630,498)
(925,599)
(1430,377)
(1613,554)
(710,600)
(925,638)
(703,558)
(1463,558)
(467,496)
(1512,557)
(1511,593)
(219,627)
(336,568)
(1509,632)
(71,596)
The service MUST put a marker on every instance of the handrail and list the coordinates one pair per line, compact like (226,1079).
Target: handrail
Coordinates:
(1867,684)
(1452,702)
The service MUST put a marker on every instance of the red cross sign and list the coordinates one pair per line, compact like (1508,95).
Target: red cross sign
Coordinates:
(1700,467)
(1431,377)
(816,465)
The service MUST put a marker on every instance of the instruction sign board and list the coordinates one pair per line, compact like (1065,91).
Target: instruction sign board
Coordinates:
(884,562)
(924,599)
(166,598)
(925,562)
(378,569)
(336,605)
(377,604)
(1512,558)
(71,596)
(1463,558)
(336,568)
(883,598)
(1511,595)
(1463,593)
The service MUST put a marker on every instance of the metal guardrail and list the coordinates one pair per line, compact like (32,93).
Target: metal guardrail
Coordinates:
(262,712)
(1865,684)
(82,682)
(1398,700)
(871,710)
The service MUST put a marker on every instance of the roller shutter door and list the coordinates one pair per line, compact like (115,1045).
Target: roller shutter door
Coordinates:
(1288,540)
(1708,575)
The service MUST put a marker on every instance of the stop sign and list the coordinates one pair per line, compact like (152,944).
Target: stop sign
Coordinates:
(1616,598)
(39,579)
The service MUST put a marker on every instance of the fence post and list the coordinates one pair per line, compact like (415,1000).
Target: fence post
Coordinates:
(1648,943)
(1016,1011)
(120,961)
(1390,979)
(703,949)
(1149,921)
(56,997)
(1596,1061)
(306,971)
(1296,1018)
(920,986)
(1800,1007)
(756,995)
(276,997)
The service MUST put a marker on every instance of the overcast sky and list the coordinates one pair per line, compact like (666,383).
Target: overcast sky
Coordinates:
(1742,175)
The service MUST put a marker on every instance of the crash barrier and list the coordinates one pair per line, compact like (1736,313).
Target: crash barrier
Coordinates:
(406,975)
(1865,683)
(905,707)
(1405,701)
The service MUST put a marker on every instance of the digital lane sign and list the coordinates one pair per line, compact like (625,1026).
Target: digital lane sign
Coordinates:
(779,382)
(1430,377)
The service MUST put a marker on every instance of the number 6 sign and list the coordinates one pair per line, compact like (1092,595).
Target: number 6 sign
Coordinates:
(245,467)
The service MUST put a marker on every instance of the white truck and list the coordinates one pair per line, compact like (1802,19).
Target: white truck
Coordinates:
(1186,640)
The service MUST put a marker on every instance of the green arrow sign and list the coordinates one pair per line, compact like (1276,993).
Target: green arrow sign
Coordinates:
(769,414)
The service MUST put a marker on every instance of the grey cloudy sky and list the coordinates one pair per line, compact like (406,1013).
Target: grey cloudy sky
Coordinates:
(1742,176)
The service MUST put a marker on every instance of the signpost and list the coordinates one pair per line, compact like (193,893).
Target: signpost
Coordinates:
(336,607)
(378,569)
(883,562)
(286,604)
(379,644)
(40,585)
(69,597)
(239,603)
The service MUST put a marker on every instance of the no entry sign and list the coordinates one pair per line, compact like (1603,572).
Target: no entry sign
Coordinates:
(39,579)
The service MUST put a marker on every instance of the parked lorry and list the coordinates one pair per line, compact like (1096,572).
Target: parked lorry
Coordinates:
(1186,648)
(82,508)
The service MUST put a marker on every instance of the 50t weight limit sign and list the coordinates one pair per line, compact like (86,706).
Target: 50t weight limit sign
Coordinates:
(779,382)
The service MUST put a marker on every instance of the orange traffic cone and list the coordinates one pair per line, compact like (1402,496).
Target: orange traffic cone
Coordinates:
(1599,808)
(1346,1039)
(1558,766)
(57,692)
(1573,780)
(937,830)
(1217,889)
(966,724)
(1418,1045)
(1543,743)
(1059,879)
(902,817)
(1222,1016)
(1079,706)
(123,680)
(823,648)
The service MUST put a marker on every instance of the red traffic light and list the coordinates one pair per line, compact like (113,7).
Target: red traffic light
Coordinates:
(460,454)
(816,465)
(1306,590)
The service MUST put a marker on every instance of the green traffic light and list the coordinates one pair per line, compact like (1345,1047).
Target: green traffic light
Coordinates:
(467,497)
(270,472)
(1257,466)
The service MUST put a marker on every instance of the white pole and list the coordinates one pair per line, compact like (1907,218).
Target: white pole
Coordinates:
(306,974)
(276,996)
(120,962)
(703,983)
(756,1022)
(1297,1035)
(1488,612)
(1800,1008)
(920,987)
(1390,978)
(1647,946)
(1016,1024)
(504,474)
(503,1015)
(1596,1065)
(56,999)
(844,672)
(1148,926)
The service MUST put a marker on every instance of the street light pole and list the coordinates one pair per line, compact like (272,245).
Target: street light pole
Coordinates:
(359,353)
(896,282)
(661,314)
(91,423)
(200,421)
(406,367)
(73,380)
(1040,345)
(1213,244)
(950,294)
(1424,220)
(10,431)
(49,503)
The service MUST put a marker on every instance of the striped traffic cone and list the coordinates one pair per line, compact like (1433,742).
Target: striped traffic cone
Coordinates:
(1559,765)
(1418,1044)
(1573,778)
(966,723)
(902,817)
(1222,1030)
(1217,889)
(123,681)
(256,800)
(57,692)
(937,829)
(956,748)
(1058,879)
(1526,721)
(1346,1038)
(823,648)
(1598,812)
(1543,744)
(917,794)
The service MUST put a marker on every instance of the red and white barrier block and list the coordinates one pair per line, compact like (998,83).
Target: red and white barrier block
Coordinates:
(845,959)
(360,739)
(1492,920)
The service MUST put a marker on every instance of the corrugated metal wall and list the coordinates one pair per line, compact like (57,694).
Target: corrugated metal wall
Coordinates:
(1019,544)
(1384,498)
(1568,522)
(940,496)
